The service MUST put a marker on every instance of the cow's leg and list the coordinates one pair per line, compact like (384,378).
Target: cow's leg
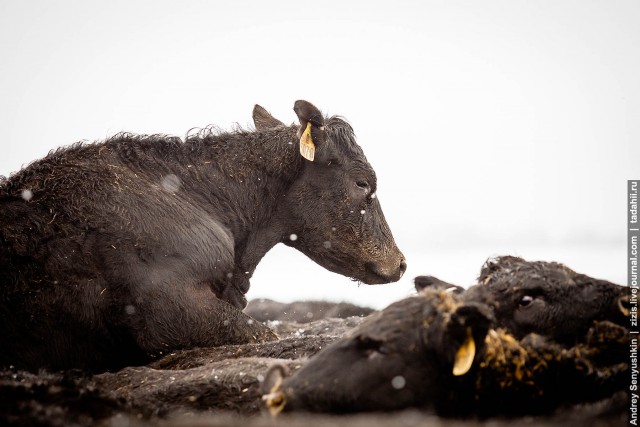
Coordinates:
(162,319)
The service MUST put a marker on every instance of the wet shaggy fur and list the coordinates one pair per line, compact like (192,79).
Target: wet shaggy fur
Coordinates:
(536,375)
(117,252)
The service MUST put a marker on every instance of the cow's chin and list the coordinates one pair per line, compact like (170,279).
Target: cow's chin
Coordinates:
(375,279)
(363,274)
(367,272)
(357,273)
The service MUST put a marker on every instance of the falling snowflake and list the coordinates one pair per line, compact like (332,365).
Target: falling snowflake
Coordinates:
(398,382)
(293,237)
(171,183)
(26,195)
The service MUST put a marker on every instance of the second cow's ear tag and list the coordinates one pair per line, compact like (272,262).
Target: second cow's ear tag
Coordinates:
(465,355)
(307,148)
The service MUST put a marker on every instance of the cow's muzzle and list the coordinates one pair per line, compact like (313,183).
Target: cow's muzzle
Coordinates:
(387,272)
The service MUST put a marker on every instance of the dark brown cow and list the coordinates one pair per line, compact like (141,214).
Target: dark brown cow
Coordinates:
(476,351)
(547,298)
(117,251)
(400,357)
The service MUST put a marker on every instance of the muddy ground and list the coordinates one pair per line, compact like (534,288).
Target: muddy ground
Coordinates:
(222,386)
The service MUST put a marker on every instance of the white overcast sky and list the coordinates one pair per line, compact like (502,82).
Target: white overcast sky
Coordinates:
(493,125)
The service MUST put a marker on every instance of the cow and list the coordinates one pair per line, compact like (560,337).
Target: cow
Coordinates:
(400,357)
(533,296)
(547,298)
(115,252)
(457,352)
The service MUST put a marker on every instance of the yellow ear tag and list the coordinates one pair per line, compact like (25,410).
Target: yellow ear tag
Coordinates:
(307,148)
(275,402)
(465,355)
(276,399)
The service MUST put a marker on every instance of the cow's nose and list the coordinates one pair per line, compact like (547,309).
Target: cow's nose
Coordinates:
(403,267)
(385,273)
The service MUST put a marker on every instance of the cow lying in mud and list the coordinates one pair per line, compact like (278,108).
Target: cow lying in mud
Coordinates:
(548,298)
(478,351)
(115,252)
(404,356)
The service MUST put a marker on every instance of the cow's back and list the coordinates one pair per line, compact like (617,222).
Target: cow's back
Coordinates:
(83,237)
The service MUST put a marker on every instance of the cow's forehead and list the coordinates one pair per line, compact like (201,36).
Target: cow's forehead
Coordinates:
(530,279)
(344,138)
(344,142)
(507,271)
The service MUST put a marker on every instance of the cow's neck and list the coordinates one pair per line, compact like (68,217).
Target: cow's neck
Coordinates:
(251,176)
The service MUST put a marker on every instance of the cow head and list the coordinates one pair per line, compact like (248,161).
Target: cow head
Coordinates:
(410,354)
(332,213)
(547,298)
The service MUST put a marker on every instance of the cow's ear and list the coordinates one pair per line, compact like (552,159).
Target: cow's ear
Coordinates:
(263,119)
(308,113)
(430,282)
(467,329)
(272,392)
(274,377)
(311,130)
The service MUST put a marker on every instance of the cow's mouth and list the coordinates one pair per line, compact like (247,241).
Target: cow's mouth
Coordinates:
(377,273)
(370,273)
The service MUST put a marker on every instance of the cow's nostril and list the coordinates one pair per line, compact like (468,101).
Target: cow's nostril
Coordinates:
(403,266)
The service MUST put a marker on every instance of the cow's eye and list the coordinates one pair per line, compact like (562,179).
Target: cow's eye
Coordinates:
(525,301)
(363,184)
